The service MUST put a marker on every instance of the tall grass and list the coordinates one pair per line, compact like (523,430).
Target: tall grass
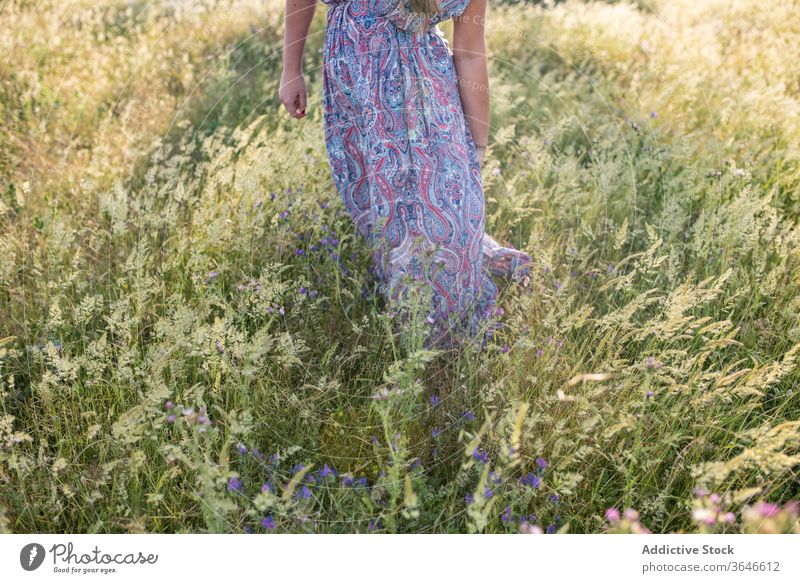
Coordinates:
(191,339)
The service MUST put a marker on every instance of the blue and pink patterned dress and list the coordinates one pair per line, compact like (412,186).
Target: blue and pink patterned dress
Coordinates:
(403,159)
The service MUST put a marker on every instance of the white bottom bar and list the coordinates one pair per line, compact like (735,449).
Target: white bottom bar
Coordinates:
(468,558)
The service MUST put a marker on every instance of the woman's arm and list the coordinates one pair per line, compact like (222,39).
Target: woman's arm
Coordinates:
(292,92)
(469,57)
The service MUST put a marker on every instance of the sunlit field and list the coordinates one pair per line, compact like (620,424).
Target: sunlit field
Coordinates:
(190,338)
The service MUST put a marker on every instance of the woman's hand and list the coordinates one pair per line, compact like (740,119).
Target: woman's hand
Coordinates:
(292,93)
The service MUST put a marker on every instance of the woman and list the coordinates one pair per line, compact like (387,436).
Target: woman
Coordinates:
(406,129)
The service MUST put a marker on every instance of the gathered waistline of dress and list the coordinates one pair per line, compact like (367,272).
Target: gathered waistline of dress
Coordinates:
(400,17)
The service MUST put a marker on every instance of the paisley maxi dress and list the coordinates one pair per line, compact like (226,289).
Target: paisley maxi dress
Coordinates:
(404,161)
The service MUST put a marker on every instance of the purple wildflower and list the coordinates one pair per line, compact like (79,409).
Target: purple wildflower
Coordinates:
(480,455)
(268,523)
(652,363)
(235,485)
(531,480)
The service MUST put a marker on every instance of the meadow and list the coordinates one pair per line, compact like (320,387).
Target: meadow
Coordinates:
(190,339)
